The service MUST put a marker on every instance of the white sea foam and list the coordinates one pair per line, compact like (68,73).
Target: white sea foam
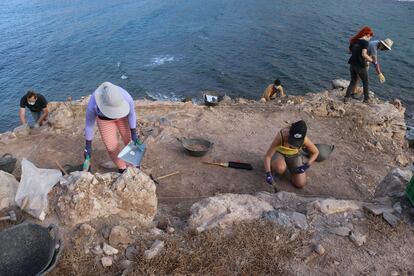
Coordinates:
(163,97)
(160,60)
(124,77)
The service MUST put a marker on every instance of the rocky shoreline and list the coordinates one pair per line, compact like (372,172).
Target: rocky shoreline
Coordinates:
(127,224)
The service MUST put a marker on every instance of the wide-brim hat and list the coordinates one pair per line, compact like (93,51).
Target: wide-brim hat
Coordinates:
(297,133)
(110,101)
(387,43)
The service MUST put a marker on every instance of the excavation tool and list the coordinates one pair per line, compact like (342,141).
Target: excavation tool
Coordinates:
(12,216)
(232,164)
(164,176)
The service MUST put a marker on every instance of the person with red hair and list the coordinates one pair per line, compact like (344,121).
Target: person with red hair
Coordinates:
(358,66)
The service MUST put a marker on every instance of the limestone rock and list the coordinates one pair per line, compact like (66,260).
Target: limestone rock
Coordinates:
(86,197)
(226,209)
(287,218)
(391,219)
(8,189)
(62,117)
(241,101)
(318,249)
(340,84)
(155,249)
(97,250)
(86,230)
(376,209)
(394,183)
(402,160)
(107,261)
(125,264)
(131,252)
(226,99)
(357,238)
(109,250)
(340,231)
(22,130)
(119,235)
(332,206)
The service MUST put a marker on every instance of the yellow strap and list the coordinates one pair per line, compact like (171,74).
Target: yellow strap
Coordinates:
(287,151)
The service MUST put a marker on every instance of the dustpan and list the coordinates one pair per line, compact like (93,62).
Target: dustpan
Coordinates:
(132,154)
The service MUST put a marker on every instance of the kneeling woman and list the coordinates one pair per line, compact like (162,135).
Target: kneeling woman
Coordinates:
(113,109)
(284,153)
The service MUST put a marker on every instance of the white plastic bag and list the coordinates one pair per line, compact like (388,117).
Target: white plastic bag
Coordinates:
(34,185)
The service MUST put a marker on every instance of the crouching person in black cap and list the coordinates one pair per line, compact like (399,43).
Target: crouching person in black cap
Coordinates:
(284,153)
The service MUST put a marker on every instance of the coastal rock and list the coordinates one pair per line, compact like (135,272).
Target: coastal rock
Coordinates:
(332,206)
(8,189)
(62,117)
(357,238)
(391,218)
(226,209)
(394,183)
(22,130)
(86,230)
(340,84)
(119,235)
(155,249)
(318,248)
(109,250)
(131,252)
(86,197)
(340,231)
(402,160)
(106,261)
(287,218)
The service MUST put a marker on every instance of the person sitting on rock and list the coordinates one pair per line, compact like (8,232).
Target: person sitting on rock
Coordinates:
(113,109)
(37,104)
(272,91)
(284,153)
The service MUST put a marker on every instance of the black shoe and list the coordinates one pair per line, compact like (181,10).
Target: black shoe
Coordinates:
(356,96)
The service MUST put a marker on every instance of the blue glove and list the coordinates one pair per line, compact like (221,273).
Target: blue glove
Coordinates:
(302,168)
(134,137)
(269,178)
(88,149)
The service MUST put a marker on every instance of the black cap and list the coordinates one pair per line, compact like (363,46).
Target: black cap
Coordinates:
(297,133)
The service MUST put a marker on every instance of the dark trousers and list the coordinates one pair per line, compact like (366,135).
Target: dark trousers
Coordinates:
(362,73)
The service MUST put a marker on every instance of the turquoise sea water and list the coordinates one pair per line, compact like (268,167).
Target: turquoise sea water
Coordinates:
(173,49)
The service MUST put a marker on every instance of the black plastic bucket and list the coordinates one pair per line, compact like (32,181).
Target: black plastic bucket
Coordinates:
(29,249)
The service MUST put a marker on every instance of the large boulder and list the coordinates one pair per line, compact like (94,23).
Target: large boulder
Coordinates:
(225,210)
(8,189)
(62,117)
(129,196)
(394,183)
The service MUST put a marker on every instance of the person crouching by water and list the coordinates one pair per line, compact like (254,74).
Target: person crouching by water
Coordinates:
(272,91)
(284,153)
(113,110)
(37,104)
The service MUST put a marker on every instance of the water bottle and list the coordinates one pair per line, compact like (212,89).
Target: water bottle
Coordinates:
(86,163)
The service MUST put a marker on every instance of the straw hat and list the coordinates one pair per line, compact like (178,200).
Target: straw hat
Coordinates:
(387,43)
(110,101)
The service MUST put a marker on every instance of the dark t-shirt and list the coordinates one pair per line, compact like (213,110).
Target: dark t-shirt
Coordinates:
(356,58)
(37,107)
